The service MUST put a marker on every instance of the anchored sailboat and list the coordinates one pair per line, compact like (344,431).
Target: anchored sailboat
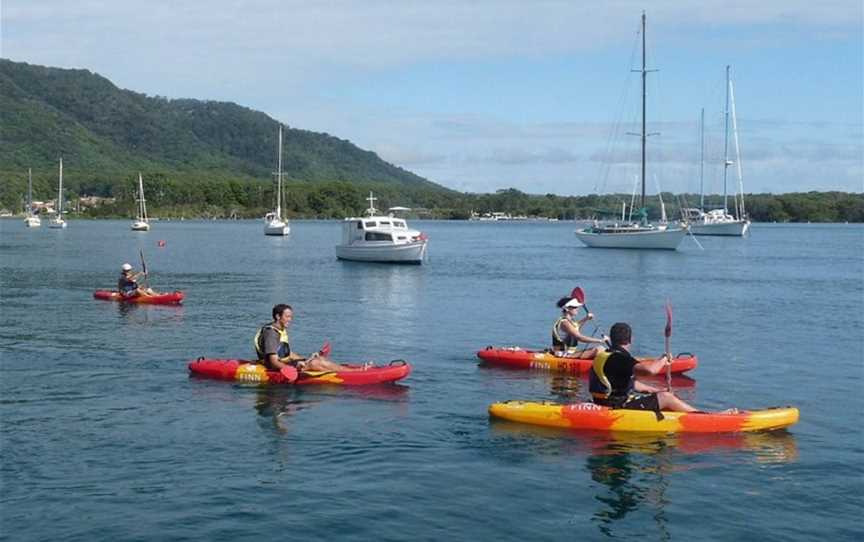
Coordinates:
(30,220)
(141,223)
(641,234)
(57,221)
(274,224)
(721,221)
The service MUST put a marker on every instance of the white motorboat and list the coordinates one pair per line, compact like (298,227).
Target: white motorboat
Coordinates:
(721,221)
(141,223)
(30,219)
(641,234)
(56,222)
(379,238)
(274,224)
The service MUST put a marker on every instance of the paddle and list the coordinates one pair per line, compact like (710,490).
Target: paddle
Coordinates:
(579,294)
(668,334)
(143,265)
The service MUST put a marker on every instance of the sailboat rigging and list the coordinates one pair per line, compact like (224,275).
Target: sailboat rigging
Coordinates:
(274,224)
(30,220)
(57,221)
(642,234)
(141,223)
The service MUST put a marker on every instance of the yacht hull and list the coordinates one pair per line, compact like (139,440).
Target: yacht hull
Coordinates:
(277,228)
(32,222)
(737,228)
(140,226)
(668,239)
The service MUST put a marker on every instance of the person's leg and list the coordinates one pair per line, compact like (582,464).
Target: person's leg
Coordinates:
(588,353)
(668,401)
(319,363)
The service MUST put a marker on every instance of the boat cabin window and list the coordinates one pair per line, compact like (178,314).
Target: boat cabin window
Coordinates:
(403,238)
(398,224)
(385,222)
(378,236)
(359,224)
(370,224)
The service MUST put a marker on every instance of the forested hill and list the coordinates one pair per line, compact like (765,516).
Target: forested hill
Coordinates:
(102,131)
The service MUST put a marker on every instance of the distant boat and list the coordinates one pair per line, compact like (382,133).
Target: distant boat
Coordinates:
(57,221)
(721,221)
(629,234)
(30,220)
(378,238)
(141,223)
(274,224)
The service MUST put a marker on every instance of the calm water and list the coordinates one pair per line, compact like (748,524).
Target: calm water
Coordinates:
(104,436)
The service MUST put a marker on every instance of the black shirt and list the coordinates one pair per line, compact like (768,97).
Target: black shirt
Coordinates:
(619,370)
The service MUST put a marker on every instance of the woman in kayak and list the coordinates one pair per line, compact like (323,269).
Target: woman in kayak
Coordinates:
(612,379)
(128,285)
(567,334)
(274,350)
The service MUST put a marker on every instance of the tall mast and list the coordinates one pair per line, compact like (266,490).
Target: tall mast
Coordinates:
(279,178)
(739,199)
(726,162)
(702,160)
(29,191)
(60,192)
(644,134)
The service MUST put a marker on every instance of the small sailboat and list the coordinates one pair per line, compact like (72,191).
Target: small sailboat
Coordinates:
(635,234)
(30,220)
(721,221)
(141,223)
(379,238)
(57,221)
(274,224)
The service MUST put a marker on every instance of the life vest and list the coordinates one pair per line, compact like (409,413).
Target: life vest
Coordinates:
(284,348)
(566,342)
(599,384)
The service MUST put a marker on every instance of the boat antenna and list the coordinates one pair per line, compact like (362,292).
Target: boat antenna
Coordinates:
(371,199)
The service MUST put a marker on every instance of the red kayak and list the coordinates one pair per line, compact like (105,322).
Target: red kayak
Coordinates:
(245,371)
(172,298)
(517,358)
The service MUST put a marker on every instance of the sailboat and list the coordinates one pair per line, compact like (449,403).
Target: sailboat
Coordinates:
(274,224)
(141,223)
(721,221)
(30,220)
(57,221)
(630,234)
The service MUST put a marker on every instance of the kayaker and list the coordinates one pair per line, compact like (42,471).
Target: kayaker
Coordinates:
(567,334)
(274,350)
(612,380)
(128,285)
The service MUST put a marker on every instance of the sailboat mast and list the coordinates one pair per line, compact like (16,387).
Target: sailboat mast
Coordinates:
(142,207)
(726,146)
(29,191)
(702,160)
(60,192)
(739,199)
(279,178)
(644,134)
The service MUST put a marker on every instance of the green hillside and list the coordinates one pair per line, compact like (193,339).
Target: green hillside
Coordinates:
(102,131)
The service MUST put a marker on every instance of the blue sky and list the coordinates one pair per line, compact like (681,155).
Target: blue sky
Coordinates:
(485,95)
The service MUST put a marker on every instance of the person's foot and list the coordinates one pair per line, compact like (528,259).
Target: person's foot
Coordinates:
(368,365)
(730,411)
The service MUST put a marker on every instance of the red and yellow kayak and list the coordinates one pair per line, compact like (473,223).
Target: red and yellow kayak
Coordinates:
(171,298)
(596,417)
(518,358)
(253,373)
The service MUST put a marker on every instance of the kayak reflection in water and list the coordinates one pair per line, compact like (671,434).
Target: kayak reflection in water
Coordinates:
(612,382)
(567,333)
(274,350)
(128,285)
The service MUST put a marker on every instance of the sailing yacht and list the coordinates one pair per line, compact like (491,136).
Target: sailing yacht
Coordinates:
(721,221)
(631,234)
(141,223)
(57,221)
(274,224)
(31,220)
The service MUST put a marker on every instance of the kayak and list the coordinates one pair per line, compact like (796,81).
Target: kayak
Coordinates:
(518,358)
(170,298)
(253,373)
(591,416)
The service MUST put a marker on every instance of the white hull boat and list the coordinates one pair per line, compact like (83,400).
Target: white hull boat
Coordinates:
(378,238)
(57,221)
(31,220)
(141,223)
(632,236)
(727,226)
(274,224)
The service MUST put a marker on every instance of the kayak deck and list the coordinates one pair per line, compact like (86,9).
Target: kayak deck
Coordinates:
(169,298)
(253,373)
(591,416)
(518,358)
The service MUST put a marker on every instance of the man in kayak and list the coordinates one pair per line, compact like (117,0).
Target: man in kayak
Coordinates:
(274,350)
(567,334)
(612,380)
(128,285)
